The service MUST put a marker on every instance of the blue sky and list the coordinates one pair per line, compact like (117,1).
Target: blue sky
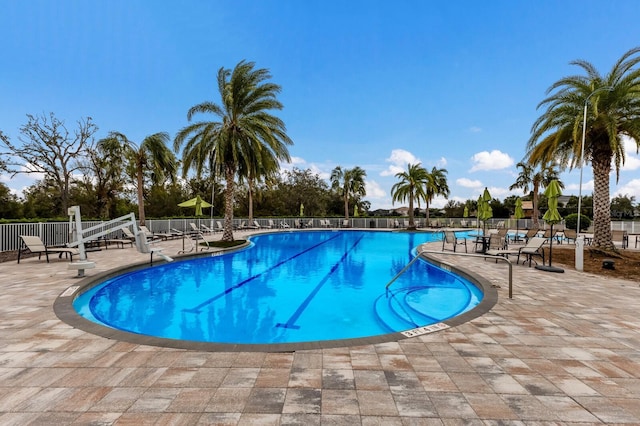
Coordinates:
(451,84)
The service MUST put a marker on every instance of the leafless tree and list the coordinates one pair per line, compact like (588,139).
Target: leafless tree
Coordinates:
(47,147)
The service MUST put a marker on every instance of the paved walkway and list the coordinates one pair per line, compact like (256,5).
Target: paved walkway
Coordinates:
(564,350)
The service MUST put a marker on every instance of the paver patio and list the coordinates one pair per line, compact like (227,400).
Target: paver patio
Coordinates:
(564,350)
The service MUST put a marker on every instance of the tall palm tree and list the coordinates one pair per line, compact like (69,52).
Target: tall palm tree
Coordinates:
(244,133)
(412,186)
(613,105)
(534,179)
(152,159)
(261,166)
(436,185)
(349,183)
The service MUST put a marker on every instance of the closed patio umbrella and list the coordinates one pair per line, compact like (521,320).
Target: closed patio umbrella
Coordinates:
(485,212)
(301,209)
(552,216)
(518,214)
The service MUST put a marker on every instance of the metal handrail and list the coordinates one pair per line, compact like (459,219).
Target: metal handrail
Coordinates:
(484,256)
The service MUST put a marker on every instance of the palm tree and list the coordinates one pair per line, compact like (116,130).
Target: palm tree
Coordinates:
(436,185)
(349,183)
(244,134)
(151,159)
(412,186)
(261,166)
(613,103)
(537,180)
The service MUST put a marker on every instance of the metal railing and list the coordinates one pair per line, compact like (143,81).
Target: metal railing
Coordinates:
(485,256)
(57,233)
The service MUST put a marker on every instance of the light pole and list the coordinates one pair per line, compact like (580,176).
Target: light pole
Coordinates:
(580,238)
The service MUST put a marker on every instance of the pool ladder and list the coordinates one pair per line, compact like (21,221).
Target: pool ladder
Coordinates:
(484,256)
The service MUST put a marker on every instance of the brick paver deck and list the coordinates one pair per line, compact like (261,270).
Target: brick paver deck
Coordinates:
(564,350)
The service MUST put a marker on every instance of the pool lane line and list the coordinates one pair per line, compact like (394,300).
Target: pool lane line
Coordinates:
(197,308)
(291,322)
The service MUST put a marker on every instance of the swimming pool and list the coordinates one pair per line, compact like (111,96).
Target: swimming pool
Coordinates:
(287,287)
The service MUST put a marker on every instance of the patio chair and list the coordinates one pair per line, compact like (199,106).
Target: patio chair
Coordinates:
(532,248)
(570,234)
(530,234)
(206,229)
(254,225)
(309,224)
(620,237)
(345,224)
(271,225)
(498,246)
(34,244)
(449,237)
(284,225)
(128,234)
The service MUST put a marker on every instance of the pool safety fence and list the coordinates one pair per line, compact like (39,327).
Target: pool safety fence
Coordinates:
(58,233)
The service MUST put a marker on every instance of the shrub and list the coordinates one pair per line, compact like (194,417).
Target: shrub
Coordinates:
(571,222)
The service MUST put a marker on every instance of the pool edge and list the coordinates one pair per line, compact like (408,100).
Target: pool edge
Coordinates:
(63,308)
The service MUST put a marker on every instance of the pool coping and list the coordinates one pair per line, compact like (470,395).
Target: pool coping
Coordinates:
(64,310)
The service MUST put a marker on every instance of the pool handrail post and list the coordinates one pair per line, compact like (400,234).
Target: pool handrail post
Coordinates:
(484,256)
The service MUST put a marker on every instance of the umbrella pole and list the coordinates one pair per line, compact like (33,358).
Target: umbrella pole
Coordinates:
(550,268)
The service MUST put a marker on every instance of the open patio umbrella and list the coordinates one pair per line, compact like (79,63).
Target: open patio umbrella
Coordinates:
(197,202)
(552,216)
(518,214)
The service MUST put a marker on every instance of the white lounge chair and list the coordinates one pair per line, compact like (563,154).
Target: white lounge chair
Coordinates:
(34,244)
(284,225)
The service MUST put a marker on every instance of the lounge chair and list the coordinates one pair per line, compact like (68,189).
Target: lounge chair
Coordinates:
(254,225)
(128,234)
(149,234)
(284,225)
(309,224)
(34,244)
(346,224)
(449,237)
(206,229)
(271,224)
(118,242)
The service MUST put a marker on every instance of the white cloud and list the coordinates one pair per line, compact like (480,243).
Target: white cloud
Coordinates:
(586,186)
(494,160)
(442,162)
(399,159)
(297,160)
(315,169)
(632,160)
(468,183)
(374,190)
(475,129)
(631,189)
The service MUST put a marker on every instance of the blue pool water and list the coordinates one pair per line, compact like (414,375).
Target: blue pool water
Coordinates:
(287,287)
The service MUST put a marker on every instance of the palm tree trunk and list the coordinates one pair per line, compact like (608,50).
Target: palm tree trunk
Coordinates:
(426,214)
(534,201)
(412,224)
(250,182)
(140,195)
(227,234)
(601,203)
(346,207)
